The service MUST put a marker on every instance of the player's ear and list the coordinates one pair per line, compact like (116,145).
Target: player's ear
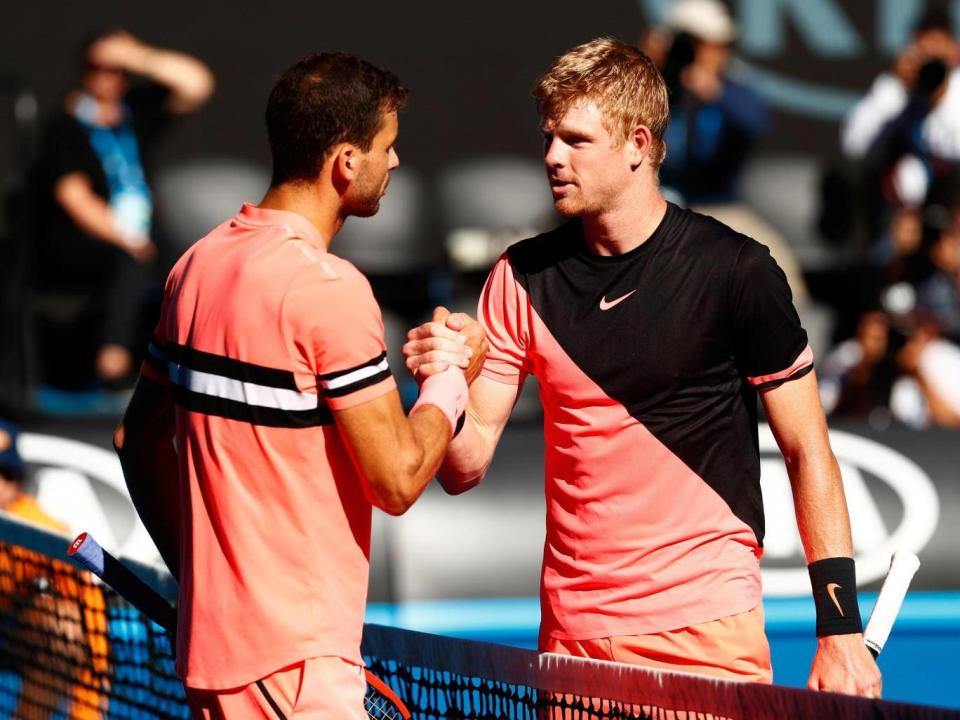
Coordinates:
(346,162)
(639,145)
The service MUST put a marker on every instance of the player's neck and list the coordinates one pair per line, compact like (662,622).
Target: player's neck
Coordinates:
(627,224)
(308,201)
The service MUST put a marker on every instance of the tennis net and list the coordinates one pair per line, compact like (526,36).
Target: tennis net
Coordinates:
(71,647)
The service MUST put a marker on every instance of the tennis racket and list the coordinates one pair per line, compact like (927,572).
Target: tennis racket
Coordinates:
(380,701)
(903,566)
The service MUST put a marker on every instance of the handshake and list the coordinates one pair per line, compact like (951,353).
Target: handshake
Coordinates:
(448,340)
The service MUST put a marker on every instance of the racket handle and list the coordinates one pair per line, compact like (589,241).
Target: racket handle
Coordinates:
(903,566)
(88,553)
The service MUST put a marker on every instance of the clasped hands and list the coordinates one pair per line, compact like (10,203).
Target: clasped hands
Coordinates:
(448,339)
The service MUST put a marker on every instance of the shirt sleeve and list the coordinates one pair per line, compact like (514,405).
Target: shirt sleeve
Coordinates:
(770,345)
(334,331)
(503,313)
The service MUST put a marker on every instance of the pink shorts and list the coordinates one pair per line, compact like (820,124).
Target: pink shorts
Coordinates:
(733,647)
(323,687)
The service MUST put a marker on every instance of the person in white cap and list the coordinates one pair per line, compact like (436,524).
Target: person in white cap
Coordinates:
(715,121)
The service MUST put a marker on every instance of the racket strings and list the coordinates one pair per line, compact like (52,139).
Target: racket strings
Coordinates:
(379,707)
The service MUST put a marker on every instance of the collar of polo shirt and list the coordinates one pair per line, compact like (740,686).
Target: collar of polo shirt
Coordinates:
(294,224)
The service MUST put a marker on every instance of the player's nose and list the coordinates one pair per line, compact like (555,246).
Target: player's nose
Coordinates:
(553,154)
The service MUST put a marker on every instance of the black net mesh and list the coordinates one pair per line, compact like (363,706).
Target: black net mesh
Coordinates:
(70,647)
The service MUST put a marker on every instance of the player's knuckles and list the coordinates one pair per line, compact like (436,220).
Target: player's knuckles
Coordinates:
(457,321)
(421,331)
(440,330)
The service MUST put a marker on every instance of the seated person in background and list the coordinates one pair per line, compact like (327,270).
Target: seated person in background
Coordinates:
(891,252)
(715,121)
(928,393)
(858,374)
(936,272)
(897,367)
(13,499)
(56,653)
(96,206)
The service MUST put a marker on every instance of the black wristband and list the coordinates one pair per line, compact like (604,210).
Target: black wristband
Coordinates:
(834,583)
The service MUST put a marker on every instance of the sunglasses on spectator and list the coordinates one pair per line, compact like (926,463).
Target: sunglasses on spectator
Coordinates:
(90,66)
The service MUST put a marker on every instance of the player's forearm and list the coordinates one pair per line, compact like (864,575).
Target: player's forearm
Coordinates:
(150,472)
(821,507)
(467,459)
(144,444)
(397,477)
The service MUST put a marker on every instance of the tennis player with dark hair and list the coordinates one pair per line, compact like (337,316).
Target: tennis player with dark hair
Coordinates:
(652,331)
(266,422)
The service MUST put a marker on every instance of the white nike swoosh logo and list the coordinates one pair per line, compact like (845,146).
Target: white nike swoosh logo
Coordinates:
(832,592)
(604,305)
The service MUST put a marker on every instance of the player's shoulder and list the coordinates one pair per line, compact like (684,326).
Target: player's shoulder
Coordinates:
(715,241)
(203,250)
(540,252)
(327,273)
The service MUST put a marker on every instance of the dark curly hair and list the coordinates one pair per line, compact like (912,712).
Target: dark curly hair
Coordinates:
(325,99)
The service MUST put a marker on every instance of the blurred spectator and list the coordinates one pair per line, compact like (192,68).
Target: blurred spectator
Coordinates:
(905,133)
(901,241)
(857,376)
(896,367)
(914,70)
(13,499)
(936,270)
(928,393)
(97,209)
(64,629)
(715,121)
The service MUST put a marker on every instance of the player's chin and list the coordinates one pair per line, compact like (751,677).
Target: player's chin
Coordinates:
(567,207)
(367,209)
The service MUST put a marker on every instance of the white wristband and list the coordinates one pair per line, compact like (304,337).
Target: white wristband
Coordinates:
(448,392)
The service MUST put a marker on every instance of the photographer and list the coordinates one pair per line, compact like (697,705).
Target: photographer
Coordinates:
(715,122)
(932,51)
(714,119)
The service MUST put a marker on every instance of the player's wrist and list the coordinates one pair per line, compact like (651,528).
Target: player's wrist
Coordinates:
(834,584)
(448,392)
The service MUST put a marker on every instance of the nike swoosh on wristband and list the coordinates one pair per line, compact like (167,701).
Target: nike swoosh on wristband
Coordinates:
(832,592)
(604,305)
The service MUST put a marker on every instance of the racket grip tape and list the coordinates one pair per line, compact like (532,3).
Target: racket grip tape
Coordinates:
(88,553)
(903,566)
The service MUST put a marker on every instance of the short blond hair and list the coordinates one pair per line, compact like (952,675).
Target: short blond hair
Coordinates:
(623,82)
